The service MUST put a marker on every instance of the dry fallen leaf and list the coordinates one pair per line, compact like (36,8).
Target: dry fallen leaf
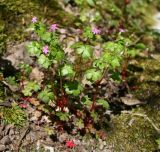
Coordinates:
(35,115)
(37,75)
(1,114)
(34,101)
(130,100)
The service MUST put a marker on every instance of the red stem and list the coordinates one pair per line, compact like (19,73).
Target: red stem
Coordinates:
(94,102)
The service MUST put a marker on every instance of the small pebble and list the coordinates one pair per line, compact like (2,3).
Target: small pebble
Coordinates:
(5,140)
(62,138)
(2,147)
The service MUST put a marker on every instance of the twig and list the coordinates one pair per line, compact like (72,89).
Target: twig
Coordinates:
(146,117)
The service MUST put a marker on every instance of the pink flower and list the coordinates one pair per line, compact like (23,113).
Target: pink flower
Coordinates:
(34,19)
(96,30)
(70,144)
(53,27)
(45,49)
(122,30)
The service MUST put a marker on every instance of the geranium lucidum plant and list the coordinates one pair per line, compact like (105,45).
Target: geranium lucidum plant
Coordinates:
(67,87)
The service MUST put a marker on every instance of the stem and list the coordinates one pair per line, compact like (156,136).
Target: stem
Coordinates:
(99,81)
(61,81)
(96,87)
(78,69)
(125,11)
(94,100)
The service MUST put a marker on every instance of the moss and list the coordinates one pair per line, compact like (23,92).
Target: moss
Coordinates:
(14,115)
(137,136)
(16,16)
(147,80)
(2,95)
(2,37)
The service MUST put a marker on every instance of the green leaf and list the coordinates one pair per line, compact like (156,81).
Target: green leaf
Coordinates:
(59,55)
(99,63)
(95,117)
(87,102)
(88,32)
(79,123)
(115,63)
(85,50)
(79,2)
(93,74)
(114,47)
(26,68)
(74,88)
(133,52)
(40,29)
(46,37)
(44,61)
(158,142)
(140,46)
(90,2)
(76,45)
(46,95)
(30,88)
(63,116)
(11,80)
(115,75)
(34,48)
(67,70)
(103,103)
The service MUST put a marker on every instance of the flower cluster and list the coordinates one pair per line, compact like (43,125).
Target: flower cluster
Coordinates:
(54,27)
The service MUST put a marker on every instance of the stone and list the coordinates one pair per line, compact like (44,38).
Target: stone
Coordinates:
(2,147)
(7,129)
(63,137)
(18,54)
(5,140)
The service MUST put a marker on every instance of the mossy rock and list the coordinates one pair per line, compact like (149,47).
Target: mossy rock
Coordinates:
(2,95)
(133,133)
(2,37)
(16,16)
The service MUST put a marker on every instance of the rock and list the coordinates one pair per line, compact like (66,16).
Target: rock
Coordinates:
(7,129)
(2,147)
(81,149)
(48,148)
(18,54)
(62,138)
(101,145)
(1,128)
(31,137)
(5,140)
(35,115)
(11,132)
